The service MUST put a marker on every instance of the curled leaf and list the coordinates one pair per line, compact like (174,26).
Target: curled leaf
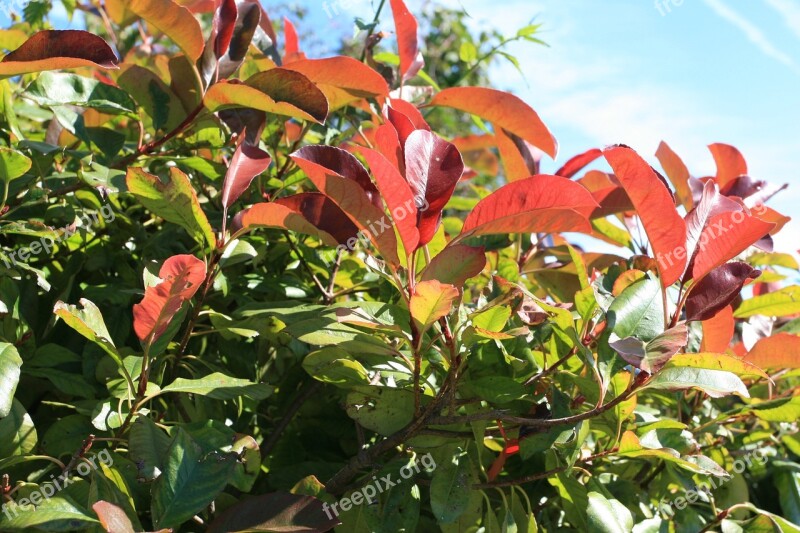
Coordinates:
(56,50)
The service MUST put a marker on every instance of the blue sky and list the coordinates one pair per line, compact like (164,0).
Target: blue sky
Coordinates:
(690,72)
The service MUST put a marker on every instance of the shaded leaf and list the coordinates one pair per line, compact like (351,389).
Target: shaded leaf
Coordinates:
(57,50)
(718,289)
(13,164)
(275,512)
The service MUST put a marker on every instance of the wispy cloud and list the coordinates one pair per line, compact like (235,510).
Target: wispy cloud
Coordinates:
(789,11)
(752,32)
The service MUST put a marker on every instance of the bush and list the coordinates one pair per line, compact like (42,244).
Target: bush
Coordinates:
(248,290)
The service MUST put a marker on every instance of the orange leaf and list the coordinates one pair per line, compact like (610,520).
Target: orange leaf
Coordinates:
(336,174)
(174,20)
(56,50)
(726,236)
(677,173)
(503,110)
(406,28)
(656,208)
(730,163)
(539,204)
(397,194)
(431,301)
(776,352)
(181,276)
(718,331)
(343,80)
(310,213)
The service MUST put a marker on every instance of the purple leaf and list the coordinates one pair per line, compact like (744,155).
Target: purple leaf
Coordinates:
(433,168)
(718,289)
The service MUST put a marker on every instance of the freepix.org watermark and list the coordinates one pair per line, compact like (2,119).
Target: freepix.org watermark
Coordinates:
(47,243)
(703,490)
(378,485)
(376,228)
(57,484)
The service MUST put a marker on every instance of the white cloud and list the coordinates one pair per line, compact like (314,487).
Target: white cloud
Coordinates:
(789,12)
(751,31)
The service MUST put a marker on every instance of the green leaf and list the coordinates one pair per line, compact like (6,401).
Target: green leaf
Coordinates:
(10,364)
(381,410)
(148,446)
(468,52)
(190,481)
(58,89)
(606,517)
(450,488)
(498,389)
(174,201)
(334,365)
(787,483)
(18,431)
(13,164)
(218,386)
(783,302)
(715,383)
(110,486)
(638,311)
(59,513)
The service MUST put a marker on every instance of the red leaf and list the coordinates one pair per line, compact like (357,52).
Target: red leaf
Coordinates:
(388,144)
(503,110)
(711,203)
(181,276)
(292,51)
(718,331)
(343,80)
(248,161)
(339,175)
(455,265)
(727,235)
(776,352)
(542,203)
(677,173)
(223,25)
(730,163)
(112,517)
(578,163)
(402,124)
(656,208)
(56,50)
(406,27)
(717,290)
(411,113)
(311,213)
(433,168)
(397,194)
